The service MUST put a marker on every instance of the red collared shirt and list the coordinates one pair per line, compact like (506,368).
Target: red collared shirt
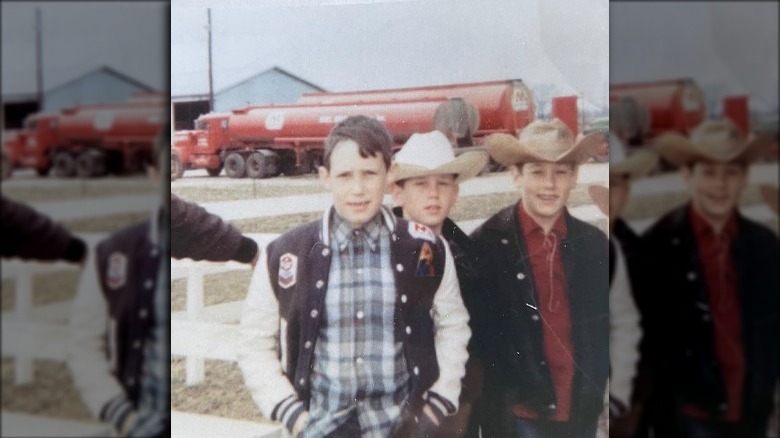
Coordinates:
(552,299)
(721,280)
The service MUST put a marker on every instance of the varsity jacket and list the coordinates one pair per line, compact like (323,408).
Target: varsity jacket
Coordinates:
(112,315)
(687,364)
(281,320)
(510,332)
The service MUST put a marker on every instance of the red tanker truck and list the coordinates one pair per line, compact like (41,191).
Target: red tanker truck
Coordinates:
(503,106)
(263,141)
(641,111)
(89,140)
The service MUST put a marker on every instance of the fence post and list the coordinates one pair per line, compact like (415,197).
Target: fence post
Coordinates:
(195,365)
(23,364)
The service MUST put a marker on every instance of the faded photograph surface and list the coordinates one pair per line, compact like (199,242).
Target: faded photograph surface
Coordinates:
(83,235)
(417,179)
(693,217)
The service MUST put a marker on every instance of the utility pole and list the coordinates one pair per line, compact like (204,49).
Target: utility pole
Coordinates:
(211,74)
(38,58)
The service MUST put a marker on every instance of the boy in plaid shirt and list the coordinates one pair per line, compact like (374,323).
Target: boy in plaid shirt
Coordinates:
(342,335)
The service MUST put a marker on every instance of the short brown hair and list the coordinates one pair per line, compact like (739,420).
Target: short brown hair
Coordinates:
(371,136)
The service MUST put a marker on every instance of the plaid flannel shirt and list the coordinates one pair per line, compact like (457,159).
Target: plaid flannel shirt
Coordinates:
(154,406)
(359,366)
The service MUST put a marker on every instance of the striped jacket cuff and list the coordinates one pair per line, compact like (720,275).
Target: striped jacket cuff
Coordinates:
(441,407)
(116,411)
(287,411)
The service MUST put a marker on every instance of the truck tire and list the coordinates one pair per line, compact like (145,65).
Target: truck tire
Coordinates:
(90,164)
(235,165)
(214,172)
(42,171)
(260,165)
(7,167)
(64,165)
(177,170)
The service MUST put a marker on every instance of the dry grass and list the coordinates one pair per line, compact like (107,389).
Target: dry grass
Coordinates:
(222,394)
(240,192)
(52,392)
(69,190)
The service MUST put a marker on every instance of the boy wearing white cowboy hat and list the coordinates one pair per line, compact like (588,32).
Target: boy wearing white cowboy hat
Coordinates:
(545,332)
(630,377)
(720,363)
(424,181)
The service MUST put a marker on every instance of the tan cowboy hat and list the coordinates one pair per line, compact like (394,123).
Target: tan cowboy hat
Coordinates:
(542,140)
(713,140)
(431,153)
(636,165)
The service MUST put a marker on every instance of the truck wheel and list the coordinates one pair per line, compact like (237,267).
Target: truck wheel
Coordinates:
(42,171)
(177,170)
(64,165)
(255,165)
(214,172)
(7,167)
(235,166)
(90,164)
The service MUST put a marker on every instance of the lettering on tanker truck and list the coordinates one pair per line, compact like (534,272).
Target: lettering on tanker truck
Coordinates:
(274,121)
(690,99)
(519,100)
(103,121)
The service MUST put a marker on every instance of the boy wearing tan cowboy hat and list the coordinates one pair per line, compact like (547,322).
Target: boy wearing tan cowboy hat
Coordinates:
(545,332)
(630,377)
(717,270)
(424,181)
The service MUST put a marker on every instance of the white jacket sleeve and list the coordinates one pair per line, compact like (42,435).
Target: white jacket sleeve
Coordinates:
(625,333)
(258,355)
(452,333)
(89,324)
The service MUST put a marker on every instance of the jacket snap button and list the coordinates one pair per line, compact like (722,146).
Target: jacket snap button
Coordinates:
(302,381)
(153,252)
(148,284)
(360,314)
(520,276)
(408,330)
(552,406)
(142,313)
(325,252)
(320,283)
(307,345)
(403,298)
(399,267)
(137,345)
(504,241)
(691,276)
(416,371)
(314,313)
(535,317)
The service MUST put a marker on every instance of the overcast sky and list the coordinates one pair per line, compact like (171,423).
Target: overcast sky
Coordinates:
(730,47)
(78,37)
(396,44)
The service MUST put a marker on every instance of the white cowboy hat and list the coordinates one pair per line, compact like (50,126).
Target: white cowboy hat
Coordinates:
(542,140)
(713,140)
(431,153)
(636,165)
